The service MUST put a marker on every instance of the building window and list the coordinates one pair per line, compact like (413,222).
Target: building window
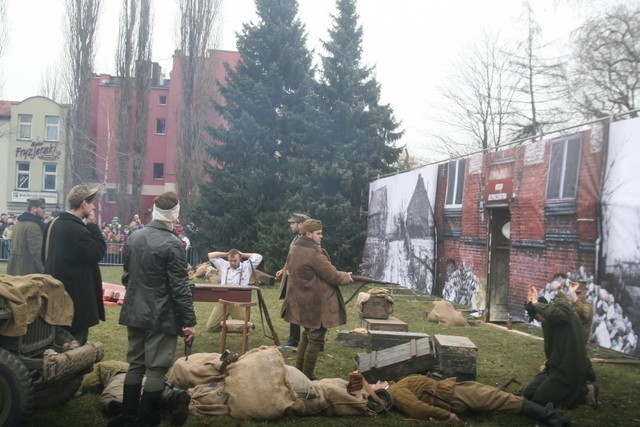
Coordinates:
(24,126)
(455,183)
(162,100)
(22,176)
(110,195)
(158,171)
(161,126)
(49,177)
(563,168)
(51,128)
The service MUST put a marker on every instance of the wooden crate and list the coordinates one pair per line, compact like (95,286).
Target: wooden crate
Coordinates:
(379,340)
(390,324)
(352,339)
(456,357)
(413,357)
(375,308)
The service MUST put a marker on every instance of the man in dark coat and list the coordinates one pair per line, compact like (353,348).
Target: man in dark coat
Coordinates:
(313,299)
(158,307)
(26,241)
(71,251)
(563,382)
(295,223)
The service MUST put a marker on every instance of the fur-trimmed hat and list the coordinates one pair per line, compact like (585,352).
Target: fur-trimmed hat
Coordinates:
(311,225)
(297,218)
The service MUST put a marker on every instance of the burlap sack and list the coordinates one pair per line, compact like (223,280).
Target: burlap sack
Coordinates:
(258,387)
(209,400)
(200,368)
(444,313)
(333,400)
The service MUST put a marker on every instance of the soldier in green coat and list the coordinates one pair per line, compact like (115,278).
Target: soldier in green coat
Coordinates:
(563,381)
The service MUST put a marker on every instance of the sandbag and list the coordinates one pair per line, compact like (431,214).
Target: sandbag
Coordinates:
(334,400)
(258,386)
(444,313)
(200,368)
(209,399)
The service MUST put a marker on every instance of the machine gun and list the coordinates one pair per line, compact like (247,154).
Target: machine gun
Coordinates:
(365,281)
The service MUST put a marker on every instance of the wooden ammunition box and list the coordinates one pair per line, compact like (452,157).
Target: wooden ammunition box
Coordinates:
(377,307)
(456,357)
(390,324)
(379,340)
(413,357)
(352,339)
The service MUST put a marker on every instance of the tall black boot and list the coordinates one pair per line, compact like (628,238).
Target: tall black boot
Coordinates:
(543,413)
(130,403)
(177,401)
(150,408)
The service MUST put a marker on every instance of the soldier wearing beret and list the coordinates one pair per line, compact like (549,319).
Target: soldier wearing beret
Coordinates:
(313,299)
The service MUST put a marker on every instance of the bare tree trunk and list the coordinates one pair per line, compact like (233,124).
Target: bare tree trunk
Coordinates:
(124,61)
(197,18)
(80,31)
(4,34)
(143,87)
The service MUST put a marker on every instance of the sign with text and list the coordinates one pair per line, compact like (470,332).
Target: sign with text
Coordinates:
(23,196)
(498,192)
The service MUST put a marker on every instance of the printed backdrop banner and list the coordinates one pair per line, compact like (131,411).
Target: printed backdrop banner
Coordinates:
(400,245)
(617,316)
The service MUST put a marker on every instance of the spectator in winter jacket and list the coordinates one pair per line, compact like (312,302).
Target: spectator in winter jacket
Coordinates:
(26,241)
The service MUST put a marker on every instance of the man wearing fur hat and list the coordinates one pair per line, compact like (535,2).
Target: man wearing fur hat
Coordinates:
(313,299)
(72,248)
(26,241)
(295,223)
(158,307)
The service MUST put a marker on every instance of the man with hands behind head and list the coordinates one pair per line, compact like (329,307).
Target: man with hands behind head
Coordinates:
(233,272)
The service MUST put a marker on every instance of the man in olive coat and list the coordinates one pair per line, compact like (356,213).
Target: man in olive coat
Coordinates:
(564,379)
(158,307)
(313,299)
(71,252)
(26,241)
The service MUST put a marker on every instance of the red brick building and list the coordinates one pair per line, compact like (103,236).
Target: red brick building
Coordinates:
(518,216)
(164,105)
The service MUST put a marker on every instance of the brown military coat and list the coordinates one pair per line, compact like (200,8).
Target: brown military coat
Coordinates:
(313,299)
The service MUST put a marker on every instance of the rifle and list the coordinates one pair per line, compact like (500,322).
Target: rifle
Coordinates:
(366,279)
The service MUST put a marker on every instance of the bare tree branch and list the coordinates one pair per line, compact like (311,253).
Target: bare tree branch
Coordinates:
(197,20)
(80,31)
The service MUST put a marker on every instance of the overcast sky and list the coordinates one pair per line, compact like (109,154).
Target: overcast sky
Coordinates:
(412,43)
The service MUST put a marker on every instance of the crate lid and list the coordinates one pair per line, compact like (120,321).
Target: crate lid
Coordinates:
(454,341)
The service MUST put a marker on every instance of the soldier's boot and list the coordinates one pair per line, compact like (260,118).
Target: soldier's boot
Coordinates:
(544,414)
(130,403)
(177,401)
(150,408)
(310,358)
(302,349)
(113,408)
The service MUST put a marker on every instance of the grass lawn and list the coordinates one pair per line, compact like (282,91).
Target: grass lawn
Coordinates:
(502,355)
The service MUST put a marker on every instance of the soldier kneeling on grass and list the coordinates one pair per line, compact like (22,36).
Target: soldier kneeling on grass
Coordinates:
(107,378)
(423,397)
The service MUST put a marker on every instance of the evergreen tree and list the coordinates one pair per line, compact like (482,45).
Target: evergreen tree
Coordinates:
(270,112)
(358,140)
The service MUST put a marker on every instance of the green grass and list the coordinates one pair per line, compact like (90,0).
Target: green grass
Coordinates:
(501,355)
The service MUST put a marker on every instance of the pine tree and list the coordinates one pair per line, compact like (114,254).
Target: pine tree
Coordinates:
(269,110)
(358,143)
